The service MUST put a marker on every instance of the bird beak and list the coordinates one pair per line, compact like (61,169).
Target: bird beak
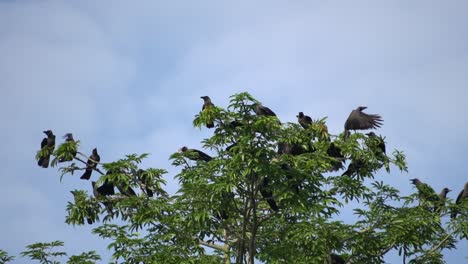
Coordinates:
(449,190)
(45,132)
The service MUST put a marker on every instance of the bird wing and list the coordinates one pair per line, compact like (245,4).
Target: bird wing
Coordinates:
(267,111)
(459,197)
(359,120)
(43,143)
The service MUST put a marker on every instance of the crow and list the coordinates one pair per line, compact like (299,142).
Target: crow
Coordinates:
(462,196)
(290,148)
(426,193)
(47,143)
(380,141)
(358,120)
(207,104)
(143,177)
(304,120)
(335,152)
(354,168)
(267,194)
(104,190)
(442,197)
(259,109)
(68,138)
(91,164)
(200,155)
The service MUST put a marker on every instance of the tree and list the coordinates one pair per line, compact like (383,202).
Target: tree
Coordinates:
(226,203)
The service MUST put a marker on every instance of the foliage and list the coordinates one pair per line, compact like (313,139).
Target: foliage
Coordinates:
(227,203)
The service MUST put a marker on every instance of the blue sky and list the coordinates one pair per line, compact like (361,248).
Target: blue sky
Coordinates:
(126,77)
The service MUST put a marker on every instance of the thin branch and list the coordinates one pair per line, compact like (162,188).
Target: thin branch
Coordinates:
(434,248)
(213,246)
(96,169)
(97,162)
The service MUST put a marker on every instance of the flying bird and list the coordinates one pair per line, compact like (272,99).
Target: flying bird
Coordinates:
(68,138)
(460,198)
(304,120)
(91,164)
(442,197)
(207,104)
(49,144)
(200,155)
(259,109)
(358,120)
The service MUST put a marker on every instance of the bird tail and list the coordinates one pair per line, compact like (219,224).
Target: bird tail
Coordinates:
(44,162)
(86,175)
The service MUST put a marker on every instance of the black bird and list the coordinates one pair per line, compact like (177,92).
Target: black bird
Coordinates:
(379,139)
(354,168)
(335,152)
(89,220)
(336,259)
(142,175)
(462,196)
(290,148)
(200,154)
(263,110)
(442,197)
(207,104)
(426,193)
(91,164)
(68,138)
(267,194)
(223,212)
(104,190)
(49,143)
(304,120)
(358,120)
(127,191)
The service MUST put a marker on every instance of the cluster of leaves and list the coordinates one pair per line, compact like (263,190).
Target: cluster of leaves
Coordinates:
(272,192)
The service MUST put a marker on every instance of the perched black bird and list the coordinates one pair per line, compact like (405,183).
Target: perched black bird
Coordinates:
(68,138)
(335,152)
(207,104)
(91,164)
(49,143)
(462,196)
(354,168)
(200,154)
(441,202)
(105,189)
(304,120)
(77,201)
(128,191)
(267,194)
(336,259)
(223,212)
(358,120)
(263,110)
(379,139)
(290,148)
(426,193)
(142,175)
